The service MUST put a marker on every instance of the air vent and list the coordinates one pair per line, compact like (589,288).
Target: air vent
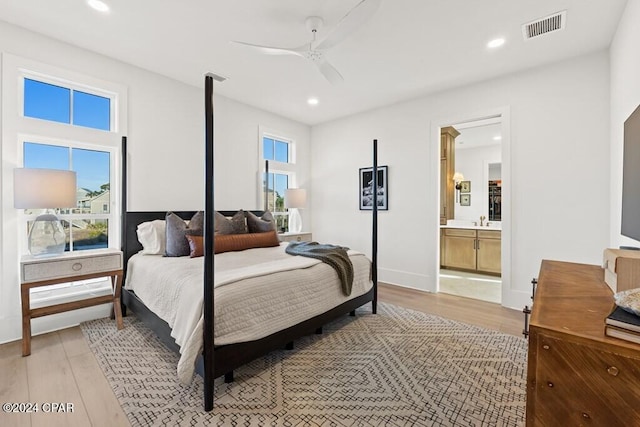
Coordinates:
(546,25)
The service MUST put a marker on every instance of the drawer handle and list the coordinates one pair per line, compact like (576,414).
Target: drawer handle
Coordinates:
(298,238)
(546,347)
(76,267)
(612,370)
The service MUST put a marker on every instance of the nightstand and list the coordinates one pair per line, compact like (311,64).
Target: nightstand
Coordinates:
(295,237)
(68,267)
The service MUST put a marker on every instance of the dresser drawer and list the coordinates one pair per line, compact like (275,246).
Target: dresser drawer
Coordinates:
(460,232)
(68,267)
(489,234)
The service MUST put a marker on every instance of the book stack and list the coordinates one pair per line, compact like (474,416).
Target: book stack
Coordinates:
(624,325)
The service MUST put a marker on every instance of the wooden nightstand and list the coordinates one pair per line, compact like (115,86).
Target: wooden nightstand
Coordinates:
(68,267)
(295,237)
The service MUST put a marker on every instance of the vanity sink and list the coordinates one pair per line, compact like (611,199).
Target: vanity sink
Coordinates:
(472,225)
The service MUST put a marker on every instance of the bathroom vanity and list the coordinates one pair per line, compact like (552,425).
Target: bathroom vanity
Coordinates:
(471,248)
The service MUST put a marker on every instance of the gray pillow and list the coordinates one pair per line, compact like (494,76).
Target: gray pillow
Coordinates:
(176,231)
(234,225)
(262,224)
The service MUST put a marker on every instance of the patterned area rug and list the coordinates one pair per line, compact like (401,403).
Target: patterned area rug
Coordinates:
(397,368)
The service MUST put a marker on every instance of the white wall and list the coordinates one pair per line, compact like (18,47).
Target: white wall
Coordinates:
(473,163)
(166,147)
(559,171)
(625,97)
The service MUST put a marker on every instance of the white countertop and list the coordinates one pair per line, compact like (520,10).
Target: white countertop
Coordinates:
(473,227)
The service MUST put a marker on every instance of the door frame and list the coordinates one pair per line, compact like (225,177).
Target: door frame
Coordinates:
(509,297)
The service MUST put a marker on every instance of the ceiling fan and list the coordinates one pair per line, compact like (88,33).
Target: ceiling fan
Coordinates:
(315,50)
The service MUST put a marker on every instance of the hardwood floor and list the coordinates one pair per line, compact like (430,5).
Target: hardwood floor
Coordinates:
(467,310)
(62,368)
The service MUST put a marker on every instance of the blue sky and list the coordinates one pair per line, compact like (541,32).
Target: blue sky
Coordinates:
(50,102)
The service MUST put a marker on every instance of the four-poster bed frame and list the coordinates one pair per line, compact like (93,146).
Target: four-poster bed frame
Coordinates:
(222,360)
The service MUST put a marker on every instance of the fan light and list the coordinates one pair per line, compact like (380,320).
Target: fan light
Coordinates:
(98,5)
(495,43)
(312,101)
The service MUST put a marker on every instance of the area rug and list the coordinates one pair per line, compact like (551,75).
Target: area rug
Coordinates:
(397,368)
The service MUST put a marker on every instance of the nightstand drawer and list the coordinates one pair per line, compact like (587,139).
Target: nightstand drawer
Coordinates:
(72,266)
(295,237)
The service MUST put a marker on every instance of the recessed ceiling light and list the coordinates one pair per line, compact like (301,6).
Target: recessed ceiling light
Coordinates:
(98,5)
(497,138)
(312,101)
(495,43)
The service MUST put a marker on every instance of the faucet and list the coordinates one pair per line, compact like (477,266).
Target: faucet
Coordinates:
(482,218)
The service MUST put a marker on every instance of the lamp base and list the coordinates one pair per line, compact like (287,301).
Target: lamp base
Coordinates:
(295,221)
(46,237)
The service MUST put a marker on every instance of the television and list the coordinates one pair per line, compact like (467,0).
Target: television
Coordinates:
(631,177)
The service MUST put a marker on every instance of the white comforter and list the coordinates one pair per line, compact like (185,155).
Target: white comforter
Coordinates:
(257,292)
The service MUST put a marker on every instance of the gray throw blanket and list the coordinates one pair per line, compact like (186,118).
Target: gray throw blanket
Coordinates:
(335,256)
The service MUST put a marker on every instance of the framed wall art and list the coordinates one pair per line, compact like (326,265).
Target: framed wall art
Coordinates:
(366,189)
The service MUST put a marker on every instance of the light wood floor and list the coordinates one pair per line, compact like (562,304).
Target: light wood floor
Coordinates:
(62,368)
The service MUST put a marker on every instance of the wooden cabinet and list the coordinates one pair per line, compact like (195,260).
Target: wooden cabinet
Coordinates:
(471,250)
(489,251)
(576,375)
(459,248)
(447,169)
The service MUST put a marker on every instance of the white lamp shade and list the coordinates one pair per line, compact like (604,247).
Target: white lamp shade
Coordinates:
(43,188)
(457,177)
(295,198)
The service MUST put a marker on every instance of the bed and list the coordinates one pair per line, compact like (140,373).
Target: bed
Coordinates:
(226,351)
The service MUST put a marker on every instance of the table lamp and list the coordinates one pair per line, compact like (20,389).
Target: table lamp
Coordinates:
(294,199)
(44,189)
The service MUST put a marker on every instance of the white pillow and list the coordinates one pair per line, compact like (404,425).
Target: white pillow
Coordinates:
(152,237)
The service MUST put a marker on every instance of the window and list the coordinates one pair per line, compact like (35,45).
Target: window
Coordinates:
(279,152)
(47,101)
(87,225)
(67,121)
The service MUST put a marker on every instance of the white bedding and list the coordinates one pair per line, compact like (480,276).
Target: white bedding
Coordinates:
(257,292)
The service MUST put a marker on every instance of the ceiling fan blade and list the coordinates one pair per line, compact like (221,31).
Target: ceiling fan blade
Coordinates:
(271,50)
(329,72)
(350,22)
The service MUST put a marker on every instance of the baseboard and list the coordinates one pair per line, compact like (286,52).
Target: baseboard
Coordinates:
(405,279)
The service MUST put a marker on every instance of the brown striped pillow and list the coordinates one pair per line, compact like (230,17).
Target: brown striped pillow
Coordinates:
(234,242)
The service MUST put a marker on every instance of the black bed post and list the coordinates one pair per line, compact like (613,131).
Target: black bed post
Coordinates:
(123,217)
(208,246)
(374,239)
(266,185)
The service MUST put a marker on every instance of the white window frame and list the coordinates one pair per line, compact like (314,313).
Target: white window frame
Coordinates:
(37,130)
(112,217)
(16,128)
(290,168)
(73,86)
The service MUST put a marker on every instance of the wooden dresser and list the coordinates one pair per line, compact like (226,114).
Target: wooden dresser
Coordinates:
(576,375)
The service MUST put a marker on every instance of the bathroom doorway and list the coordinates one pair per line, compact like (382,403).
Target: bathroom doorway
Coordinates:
(471,233)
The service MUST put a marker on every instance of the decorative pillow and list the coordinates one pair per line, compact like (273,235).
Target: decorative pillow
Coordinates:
(196,245)
(152,237)
(260,225)
(176,230)
(240,242)
(234,225)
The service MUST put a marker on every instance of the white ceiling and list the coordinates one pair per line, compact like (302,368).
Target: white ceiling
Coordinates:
(410,48)
(482,135)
